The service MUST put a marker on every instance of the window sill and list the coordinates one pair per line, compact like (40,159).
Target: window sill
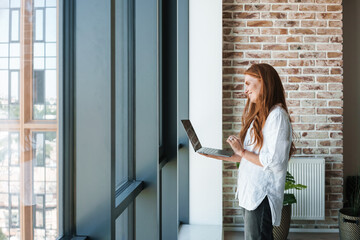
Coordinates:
(127,195)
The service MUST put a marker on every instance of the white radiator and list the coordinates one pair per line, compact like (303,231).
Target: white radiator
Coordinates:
(310,201)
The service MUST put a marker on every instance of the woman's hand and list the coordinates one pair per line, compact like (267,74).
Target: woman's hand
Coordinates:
(235,144)
(233,158)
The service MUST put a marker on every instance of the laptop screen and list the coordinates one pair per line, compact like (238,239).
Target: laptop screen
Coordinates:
(191,134)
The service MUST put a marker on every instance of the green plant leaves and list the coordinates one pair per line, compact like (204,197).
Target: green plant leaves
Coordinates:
(289,198)
(290,183)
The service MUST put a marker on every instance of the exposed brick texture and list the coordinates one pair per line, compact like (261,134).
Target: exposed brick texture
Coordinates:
(302,39)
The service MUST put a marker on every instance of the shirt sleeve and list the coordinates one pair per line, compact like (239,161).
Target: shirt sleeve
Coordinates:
(277,141)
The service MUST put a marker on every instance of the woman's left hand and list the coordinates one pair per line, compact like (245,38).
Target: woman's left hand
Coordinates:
(235,144)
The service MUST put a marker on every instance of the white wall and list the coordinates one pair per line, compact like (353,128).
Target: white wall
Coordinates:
(205,62)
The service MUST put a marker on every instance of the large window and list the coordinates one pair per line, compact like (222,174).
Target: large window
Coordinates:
(28,119)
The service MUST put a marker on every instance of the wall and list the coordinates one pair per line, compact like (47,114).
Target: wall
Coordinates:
(92,107)
(205,187)
(302,39)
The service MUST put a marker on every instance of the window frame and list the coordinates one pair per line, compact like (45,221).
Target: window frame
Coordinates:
(142,189)
(67,226)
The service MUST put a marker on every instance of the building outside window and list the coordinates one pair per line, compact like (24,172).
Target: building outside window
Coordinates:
(29,119)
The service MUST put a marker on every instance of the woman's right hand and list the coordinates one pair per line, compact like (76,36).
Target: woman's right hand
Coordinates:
(235,144)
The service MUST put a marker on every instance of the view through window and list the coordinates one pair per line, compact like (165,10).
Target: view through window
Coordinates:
(28,119)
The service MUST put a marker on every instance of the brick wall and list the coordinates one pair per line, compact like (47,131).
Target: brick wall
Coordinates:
(302,39)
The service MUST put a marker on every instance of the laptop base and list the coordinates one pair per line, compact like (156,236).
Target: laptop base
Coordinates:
(216,152)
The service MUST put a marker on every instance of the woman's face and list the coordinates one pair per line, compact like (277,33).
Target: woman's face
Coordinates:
(252,88)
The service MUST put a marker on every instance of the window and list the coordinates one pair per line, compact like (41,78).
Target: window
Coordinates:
(28,119)
(9,60)
(14,211)
(124,90)
(39,216)
(117,127)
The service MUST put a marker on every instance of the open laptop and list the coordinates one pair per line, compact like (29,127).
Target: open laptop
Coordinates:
(196,143)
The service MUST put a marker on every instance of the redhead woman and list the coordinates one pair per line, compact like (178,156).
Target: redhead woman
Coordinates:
(263,148)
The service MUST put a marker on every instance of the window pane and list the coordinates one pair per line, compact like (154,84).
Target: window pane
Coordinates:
(4,94)
(39,214)
(39,87)
(15,63)
(50,89)
(4,3)
(51,3)
(4,25)
(39,25)
(9,186)
(50,23)
(122,92)
(15,26)
(45,53)
(51,49)
(14,87)
(39,3)
(39,49)
(38,63)
(4,63)
(39,157)
(50,63)
(14,149)
(45,185)
(14,50)
(14,95)
(4,50)
(15,211)
(15,3)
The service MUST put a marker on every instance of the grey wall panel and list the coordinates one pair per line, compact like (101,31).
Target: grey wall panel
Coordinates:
(169,200)
(66,114)
(146,115)
(169,68)
(93,119)
(183,109)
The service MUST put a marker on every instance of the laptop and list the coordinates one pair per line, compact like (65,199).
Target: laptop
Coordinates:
(197,145)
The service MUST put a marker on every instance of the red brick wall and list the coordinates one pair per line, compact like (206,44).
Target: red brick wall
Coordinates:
(302,39)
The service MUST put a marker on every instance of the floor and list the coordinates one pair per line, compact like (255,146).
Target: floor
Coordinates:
(292,236)
(200,232)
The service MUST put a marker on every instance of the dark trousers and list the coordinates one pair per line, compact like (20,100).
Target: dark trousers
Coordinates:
(258,224)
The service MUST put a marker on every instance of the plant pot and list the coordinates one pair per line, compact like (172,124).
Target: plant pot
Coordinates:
(281,232)
(349,226)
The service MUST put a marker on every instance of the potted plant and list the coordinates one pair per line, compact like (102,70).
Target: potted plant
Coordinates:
(281,232)
(349,217)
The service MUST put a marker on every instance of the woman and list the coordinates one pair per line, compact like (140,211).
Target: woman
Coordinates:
(263,149)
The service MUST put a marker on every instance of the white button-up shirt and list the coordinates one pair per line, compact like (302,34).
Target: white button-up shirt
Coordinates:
(255,182)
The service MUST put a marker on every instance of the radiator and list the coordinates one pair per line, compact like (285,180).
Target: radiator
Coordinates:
(310,201)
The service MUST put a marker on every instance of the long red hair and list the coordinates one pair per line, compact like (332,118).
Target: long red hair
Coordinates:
(271,93)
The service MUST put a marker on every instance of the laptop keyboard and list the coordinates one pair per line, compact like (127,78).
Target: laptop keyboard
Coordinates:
(209,151)
(213,151)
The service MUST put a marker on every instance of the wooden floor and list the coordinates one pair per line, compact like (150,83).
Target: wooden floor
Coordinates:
(292,236)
